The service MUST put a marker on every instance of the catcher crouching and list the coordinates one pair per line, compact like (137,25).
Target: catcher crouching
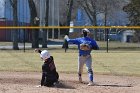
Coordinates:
(49,74)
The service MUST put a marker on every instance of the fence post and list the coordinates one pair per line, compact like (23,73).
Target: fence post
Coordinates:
(107,37)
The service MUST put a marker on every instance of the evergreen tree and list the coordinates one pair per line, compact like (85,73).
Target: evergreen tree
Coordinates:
(133,11)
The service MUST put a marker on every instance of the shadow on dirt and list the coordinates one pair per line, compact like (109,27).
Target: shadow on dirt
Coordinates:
(31,81)
(62,84)
(70,85)
(109,85)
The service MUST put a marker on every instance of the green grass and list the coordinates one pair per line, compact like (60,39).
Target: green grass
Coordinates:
(113,44)
(102,44)
(115,63)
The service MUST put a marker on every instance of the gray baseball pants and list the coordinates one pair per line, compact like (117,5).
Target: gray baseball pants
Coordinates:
(88,61)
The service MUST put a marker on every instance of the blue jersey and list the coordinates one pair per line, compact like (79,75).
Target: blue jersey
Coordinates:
(84,40)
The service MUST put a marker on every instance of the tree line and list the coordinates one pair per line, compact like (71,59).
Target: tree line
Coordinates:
(93,8)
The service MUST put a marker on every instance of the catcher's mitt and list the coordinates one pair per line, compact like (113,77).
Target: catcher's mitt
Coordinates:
(84,47)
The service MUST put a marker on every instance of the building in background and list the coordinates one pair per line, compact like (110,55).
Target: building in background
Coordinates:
(6,18)
(53,16)
(127,36)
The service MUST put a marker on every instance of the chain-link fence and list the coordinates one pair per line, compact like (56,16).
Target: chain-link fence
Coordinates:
(49,20)
(112,40)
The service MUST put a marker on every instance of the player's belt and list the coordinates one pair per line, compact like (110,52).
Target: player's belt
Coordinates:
(84,55)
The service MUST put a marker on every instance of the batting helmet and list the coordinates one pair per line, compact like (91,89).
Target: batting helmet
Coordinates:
(85,30)
(45,55)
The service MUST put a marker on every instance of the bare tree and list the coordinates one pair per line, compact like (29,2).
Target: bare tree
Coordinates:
(68,10)
(34,21)
(90,8)
(44,41)
(70,5)
(106,8)
(64,8)
(15,23)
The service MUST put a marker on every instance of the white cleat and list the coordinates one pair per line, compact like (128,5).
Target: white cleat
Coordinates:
(38,86)
(91,83)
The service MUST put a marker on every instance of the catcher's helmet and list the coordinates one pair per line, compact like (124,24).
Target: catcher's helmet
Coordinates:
(45,54)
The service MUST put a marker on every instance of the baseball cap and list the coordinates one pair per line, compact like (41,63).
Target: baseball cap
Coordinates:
(45,54)
(85,30)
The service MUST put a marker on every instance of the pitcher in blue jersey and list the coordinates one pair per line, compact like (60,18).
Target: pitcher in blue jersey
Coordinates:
(85,46)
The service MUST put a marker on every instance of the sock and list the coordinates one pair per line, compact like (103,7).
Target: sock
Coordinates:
(91,77)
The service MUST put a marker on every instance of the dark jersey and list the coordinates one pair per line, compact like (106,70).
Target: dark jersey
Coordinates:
(49,73)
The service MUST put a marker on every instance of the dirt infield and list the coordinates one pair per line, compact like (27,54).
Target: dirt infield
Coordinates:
(25,82)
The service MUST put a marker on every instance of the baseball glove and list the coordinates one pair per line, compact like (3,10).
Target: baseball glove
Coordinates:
(37,50)
(84,47)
